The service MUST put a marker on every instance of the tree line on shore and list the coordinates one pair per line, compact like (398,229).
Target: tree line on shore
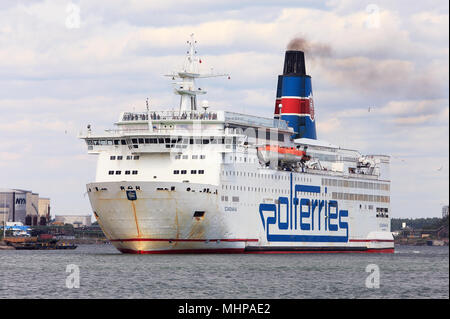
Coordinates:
(419,223)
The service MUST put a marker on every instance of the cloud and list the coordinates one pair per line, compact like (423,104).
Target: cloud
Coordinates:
(329,126)
(56,78)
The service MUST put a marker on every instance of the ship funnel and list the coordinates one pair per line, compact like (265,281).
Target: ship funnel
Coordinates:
(294,101)
(294,63)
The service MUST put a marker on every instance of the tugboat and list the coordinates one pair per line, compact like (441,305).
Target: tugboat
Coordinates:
(41,242)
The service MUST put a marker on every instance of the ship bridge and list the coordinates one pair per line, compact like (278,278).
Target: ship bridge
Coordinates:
(164,131)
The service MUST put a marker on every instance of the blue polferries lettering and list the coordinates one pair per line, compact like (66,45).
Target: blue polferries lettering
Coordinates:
(304,219)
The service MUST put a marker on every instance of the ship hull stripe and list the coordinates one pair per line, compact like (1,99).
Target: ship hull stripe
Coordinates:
(371,240)
(235,240)
(324,249)
(263,250)
(185,240)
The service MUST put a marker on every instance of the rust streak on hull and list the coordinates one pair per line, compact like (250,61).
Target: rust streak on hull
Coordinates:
(135,219)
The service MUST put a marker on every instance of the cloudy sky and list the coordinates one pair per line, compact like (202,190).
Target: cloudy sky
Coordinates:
(64,64)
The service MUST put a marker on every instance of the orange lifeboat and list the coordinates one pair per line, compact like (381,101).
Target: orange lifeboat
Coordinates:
(269,153)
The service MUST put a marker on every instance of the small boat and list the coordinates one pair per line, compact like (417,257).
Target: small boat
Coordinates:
(41,242)
(41,246)
(270,153)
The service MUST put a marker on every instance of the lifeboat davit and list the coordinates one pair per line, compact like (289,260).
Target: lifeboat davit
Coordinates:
(270,153)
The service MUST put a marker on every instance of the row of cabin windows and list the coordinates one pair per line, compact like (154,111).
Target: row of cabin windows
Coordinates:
(266,176)
(354,184)
(181,140)
(177,157)
(193,171)
(106,142)
(250,160)
(120,157)
(361,197)
(184,140)
(165,140)
(264,189)
(120,172)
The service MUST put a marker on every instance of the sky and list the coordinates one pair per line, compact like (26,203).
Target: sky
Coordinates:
(66,64)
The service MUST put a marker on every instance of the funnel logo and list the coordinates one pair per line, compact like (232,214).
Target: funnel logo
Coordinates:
(302,219)
(311,107)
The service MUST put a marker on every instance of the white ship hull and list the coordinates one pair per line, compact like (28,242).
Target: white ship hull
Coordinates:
(162,220)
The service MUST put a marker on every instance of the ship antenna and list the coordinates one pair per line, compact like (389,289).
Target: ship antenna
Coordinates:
(186,88)
(149,118)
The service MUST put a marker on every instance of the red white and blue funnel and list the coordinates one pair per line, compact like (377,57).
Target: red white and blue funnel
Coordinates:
(294,101)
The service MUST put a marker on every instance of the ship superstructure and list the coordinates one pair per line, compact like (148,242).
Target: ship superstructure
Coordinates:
(202,180)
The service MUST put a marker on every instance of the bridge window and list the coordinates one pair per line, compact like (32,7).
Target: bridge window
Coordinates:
(112,158)
(176,172)
(135,172)
(183,171)
(119,158)
(127,172)
(136,157)
(201,171)
(118,172)
(111,172)
(193,171)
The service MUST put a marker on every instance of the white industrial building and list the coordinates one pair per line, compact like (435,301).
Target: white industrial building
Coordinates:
(75,220)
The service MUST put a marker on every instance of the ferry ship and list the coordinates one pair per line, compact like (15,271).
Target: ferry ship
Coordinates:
(197,180)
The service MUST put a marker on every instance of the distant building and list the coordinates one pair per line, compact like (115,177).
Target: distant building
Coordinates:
(75,220)
(18,205)
(444,211)
(44,210)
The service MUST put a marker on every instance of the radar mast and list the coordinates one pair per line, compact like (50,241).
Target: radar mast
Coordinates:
(186,86)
